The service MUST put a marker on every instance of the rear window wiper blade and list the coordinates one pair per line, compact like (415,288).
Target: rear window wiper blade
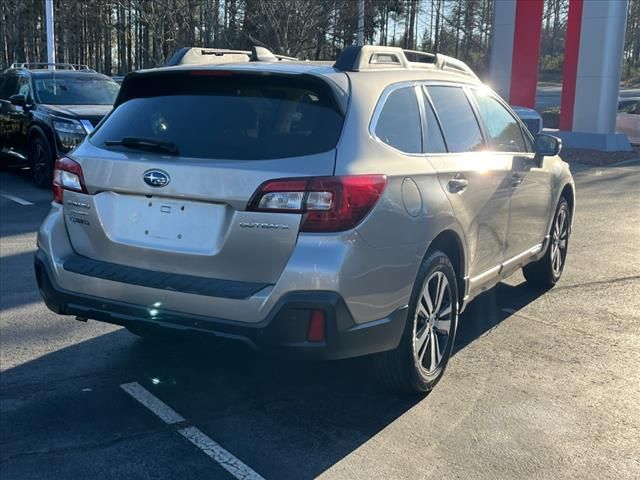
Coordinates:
(149,144)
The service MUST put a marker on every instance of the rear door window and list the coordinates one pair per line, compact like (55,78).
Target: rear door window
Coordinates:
(226,116)
(398,124)
(434,141)
(458,121)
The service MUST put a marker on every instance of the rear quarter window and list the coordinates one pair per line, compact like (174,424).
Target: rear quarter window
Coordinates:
(398,123)
(234,117)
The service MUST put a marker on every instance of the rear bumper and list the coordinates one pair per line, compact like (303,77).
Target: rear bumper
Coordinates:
(283,331)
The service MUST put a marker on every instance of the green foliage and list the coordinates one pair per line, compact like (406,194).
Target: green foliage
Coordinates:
(631,74)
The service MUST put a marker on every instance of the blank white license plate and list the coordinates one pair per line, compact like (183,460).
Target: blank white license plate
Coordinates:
(168,224)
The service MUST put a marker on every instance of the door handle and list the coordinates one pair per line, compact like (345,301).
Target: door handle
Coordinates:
(458,184)
(516,180)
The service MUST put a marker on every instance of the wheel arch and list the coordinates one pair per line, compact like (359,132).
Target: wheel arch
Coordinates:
(38,131)
(450,243)
(568,193)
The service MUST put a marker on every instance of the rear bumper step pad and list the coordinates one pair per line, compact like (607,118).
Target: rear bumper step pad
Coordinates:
(175,282)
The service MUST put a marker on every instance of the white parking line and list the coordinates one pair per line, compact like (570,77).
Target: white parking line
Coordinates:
(153,403)
(210,448)
(18,200)
(226,459)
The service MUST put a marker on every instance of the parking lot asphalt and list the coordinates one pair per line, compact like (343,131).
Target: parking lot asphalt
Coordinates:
(543,385)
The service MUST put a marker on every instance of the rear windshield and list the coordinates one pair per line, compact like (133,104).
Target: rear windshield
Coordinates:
(226,116)
(76,90)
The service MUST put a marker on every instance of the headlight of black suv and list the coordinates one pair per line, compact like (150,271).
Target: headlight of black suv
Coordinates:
(70,132)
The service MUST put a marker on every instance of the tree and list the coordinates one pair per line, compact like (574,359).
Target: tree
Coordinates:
(117,36)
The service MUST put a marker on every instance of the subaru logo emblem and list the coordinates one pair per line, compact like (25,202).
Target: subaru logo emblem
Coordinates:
(156,178)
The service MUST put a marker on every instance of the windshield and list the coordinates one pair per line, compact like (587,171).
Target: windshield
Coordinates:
(227,118)
(629,106)
(76,91)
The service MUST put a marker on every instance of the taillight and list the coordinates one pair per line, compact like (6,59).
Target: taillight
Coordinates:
(67,175)
(329,204)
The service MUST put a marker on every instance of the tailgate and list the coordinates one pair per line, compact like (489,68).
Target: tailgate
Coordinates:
(183,209)
(196,226)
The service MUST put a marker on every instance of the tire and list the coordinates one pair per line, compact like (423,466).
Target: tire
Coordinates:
(41,160)
(411,367)
(547,271)
(4,162)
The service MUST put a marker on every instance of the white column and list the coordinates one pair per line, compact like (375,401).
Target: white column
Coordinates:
(602,34)
(504,25)
(51,50)
(360,22)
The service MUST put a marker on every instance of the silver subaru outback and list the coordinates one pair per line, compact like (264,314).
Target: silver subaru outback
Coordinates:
(321,210)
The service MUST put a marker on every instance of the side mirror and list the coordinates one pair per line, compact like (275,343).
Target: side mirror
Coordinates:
(546,145)
(18,100)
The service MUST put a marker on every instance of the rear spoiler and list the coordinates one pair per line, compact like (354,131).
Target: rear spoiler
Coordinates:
(209,56)
(131,88)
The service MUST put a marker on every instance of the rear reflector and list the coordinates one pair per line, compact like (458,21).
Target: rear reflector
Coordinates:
(329,204)
(316,326)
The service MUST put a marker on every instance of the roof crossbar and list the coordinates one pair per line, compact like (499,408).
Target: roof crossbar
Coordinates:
(207,56)
(369,57)
(56,66)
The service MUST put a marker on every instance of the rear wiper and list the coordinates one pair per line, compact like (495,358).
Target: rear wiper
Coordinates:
(149,144)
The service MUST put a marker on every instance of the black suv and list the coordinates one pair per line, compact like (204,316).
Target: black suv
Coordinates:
(46,110)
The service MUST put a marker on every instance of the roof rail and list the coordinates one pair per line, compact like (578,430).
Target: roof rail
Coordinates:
(445,62)
(56,66)
(207,56)
(369,57)
(417,56)
(262,54)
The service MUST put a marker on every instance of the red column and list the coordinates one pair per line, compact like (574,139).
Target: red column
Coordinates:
(526,52)
(570,68)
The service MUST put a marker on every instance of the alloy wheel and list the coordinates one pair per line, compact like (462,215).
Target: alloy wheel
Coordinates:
(559,239)
(432,324)
(39,163)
